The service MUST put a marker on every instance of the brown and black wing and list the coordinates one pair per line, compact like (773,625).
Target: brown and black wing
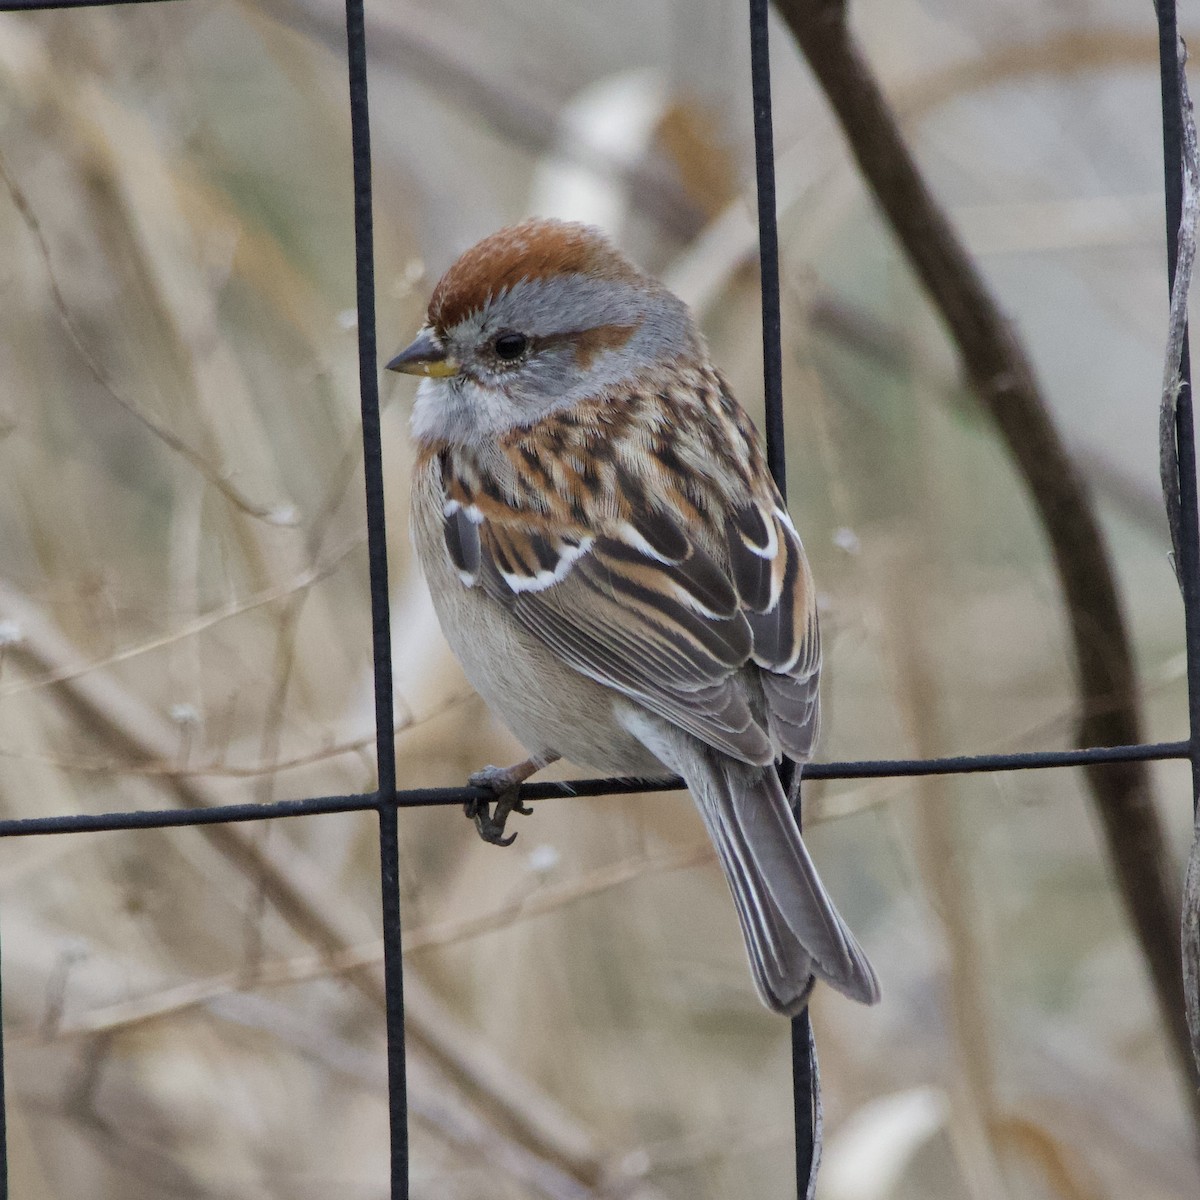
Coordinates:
(657,620)
(768,567)
(605,536)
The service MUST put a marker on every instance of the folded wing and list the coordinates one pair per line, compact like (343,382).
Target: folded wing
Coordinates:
(640,604)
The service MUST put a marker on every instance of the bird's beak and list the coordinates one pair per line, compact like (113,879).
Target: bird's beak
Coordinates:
(426,356)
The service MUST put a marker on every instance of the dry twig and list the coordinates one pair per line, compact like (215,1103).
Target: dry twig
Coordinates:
(1185,257)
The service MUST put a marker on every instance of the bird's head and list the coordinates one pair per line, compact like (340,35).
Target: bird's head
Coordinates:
(535,317)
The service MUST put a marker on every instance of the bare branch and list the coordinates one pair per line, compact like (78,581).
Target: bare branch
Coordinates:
(1185,257)
(1168,466)
(1190,938)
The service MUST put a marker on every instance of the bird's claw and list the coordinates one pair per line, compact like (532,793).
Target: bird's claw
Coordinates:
(506,794)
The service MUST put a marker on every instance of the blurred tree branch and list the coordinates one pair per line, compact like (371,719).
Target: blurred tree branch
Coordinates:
(1002,376)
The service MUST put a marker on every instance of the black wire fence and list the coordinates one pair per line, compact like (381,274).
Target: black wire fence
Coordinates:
(387,799)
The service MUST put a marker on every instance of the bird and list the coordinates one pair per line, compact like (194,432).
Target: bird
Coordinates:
(615,569)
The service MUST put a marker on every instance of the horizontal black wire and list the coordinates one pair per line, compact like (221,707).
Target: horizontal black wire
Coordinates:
(40,5)
(621,786)
(868,769)
(967,764)
(165,818)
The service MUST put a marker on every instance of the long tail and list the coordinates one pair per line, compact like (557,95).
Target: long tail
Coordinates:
(793,933)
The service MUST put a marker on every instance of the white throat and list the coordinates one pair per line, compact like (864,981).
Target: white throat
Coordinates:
(459,411)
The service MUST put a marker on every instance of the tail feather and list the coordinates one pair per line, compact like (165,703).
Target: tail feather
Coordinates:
(783,970)
(792,930)
(793,933)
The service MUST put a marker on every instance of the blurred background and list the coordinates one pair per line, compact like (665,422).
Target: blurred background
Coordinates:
(184,614)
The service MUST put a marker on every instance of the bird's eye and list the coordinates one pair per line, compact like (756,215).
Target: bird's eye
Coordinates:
(510,346)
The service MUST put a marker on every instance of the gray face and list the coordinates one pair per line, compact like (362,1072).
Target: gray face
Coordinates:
(581,337)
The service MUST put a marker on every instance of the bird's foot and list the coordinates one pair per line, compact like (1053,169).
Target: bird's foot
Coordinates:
(504,784)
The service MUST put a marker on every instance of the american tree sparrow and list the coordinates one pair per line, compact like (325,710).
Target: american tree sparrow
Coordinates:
(613,565)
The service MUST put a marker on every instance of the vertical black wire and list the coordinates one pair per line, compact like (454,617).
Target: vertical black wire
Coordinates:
(3,1112)
(385,747)
(768,242)
(1189,549)
(393,983)
(805,1085)
(369,389)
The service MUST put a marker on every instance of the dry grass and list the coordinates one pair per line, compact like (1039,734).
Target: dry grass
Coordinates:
(184,617)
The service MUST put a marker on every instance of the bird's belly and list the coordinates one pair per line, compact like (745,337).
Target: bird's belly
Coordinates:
(550,708)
